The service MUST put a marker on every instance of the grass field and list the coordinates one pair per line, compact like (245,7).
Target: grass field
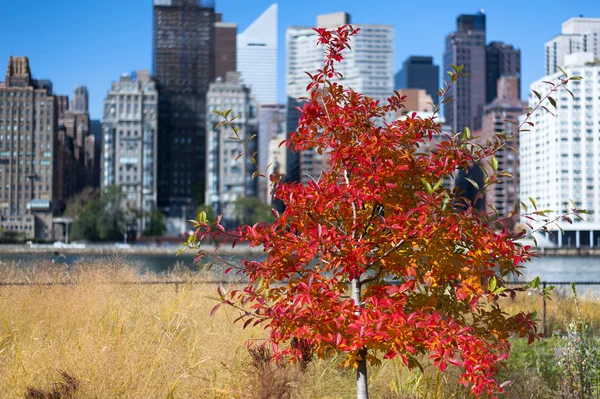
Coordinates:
(97,339)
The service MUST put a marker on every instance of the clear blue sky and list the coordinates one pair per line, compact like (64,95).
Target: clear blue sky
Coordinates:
(92,42)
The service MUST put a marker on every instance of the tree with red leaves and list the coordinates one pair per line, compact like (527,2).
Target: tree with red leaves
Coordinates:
(377,259)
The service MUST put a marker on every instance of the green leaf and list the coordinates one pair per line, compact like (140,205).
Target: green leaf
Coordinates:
(537,94)
(427,186)
(473,182)
(493,283)
(494,163)
(438,184)
(562,70)
(466,133)
(533,203)
(552,101)
(536,282)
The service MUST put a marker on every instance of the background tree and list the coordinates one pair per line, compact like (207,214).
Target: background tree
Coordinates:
(377,259)
(156,225)
(99,216)
(251,210)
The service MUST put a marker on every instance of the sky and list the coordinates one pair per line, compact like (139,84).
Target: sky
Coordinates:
(93,42)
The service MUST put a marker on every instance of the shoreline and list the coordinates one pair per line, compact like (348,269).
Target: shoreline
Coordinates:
(92,249)
(120,249)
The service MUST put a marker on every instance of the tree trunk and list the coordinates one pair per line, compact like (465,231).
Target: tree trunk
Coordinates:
(362,389)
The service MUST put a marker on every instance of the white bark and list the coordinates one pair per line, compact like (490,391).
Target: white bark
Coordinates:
(362,388)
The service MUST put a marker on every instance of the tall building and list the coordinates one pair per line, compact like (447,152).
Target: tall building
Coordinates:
(80,99)
(559,156)
(184,67)
(466,46)
(271,131)
(28,124)
(506,107)
(130,142)
(257,56)
(367,68)
(227,177)
(578,35)
(501,60)
(225,46)
(419,72)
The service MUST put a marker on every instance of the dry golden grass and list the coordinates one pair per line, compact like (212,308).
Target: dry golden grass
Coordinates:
(158,341)
(139,341)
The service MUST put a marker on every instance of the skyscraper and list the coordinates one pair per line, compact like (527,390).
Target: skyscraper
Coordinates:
(130,141)
(466,47)
(80,99)
(184,67)
(501,60)
(229,178)
(419,72)
(506,107)
(578,35)
(559,155)
(367,68)
(257,56)
(271,127)
(28,140)
(225,47)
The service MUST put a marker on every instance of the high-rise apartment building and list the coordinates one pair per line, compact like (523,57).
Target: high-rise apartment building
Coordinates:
(271,131)
(228,178)
(506,107)
(80,99)
(484,64)
(419,72)
(130,141)
(184,67)
(28,124)
(225,46)
(578,35)
(257,56)
(367,68)
(559,156)
(466,46)
(501,60)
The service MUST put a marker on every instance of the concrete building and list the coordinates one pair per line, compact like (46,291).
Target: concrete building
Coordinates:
(80,100)
(28,139)
(466,46)
(184,67)
(560,155)
(577,35)
(367,68)
(227,178)
(271,157)
(417,100)
(506,107)
(419,72)
(501,60)
(130,142)
(225,46)
(257,56)
(484,64)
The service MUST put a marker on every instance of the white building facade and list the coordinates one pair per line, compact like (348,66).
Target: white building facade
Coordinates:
(578,35)
(130,141)
(257,56)
(560,155)
(229,176)
(368,68)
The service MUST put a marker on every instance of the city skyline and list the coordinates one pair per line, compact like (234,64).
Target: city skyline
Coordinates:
(108,44)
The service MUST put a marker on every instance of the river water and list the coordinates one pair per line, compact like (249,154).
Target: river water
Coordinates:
(555,269)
